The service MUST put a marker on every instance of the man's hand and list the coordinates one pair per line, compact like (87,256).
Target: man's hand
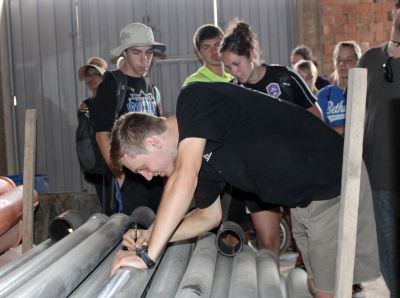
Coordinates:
(126,258)
(142,236)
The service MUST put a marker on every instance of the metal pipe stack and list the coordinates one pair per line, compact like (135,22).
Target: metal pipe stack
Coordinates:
(79,265)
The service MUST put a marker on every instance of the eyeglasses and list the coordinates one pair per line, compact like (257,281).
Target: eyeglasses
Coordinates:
(388,71)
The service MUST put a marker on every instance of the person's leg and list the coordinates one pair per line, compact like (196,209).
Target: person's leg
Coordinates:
(320,222)
(266,224)
(387,223)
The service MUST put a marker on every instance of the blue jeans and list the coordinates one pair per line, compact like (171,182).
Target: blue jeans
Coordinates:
(386,208)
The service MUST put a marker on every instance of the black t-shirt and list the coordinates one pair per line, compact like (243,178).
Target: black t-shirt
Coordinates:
(259,144)
(280,81)
(321,83)
(139,97)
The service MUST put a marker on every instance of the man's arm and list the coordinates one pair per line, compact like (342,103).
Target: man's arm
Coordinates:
(178,194)
(103,141)
(195,223)
(175,202)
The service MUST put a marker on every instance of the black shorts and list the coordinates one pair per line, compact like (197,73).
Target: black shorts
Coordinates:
(252,201)
(243,203)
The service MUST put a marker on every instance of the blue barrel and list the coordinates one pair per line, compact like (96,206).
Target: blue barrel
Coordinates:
(41,182)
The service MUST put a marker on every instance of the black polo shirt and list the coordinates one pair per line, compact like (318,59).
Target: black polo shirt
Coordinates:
(259,144)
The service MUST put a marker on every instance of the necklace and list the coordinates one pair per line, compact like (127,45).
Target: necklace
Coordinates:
(397,43)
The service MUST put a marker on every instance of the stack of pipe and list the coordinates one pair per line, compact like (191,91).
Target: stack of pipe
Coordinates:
(21,275)
(65,274)
(78,265)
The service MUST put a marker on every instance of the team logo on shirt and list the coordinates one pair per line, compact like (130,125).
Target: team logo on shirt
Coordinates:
(142,102)
(273,89)
(207,156)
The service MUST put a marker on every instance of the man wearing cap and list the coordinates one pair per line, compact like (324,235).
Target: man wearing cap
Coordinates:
(137,48)
(92,73)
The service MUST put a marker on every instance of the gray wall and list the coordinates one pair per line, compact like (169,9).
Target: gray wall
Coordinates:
(50,39)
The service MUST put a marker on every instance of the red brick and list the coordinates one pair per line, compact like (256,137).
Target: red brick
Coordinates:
(328,19)
(338,29)
(326,29)
(340,19)
(350,29)
(376,27)
(348,8)
(388,5)
(364,8)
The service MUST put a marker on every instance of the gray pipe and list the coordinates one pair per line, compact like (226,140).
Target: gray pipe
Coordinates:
(244,275)
(222,277)
(141,218)
(16,263)
(170,271)
(232,229)
(296,284)
(269,282)
(198,277)
(91,286)
(64,224)
(63,276)
(127,283)
(20,276)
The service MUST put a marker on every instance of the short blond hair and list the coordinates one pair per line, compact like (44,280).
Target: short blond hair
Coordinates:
(129,133)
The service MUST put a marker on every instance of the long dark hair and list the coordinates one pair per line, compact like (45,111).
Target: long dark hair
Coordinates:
(240,39)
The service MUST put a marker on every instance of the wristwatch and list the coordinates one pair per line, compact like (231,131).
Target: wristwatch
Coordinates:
(143,253)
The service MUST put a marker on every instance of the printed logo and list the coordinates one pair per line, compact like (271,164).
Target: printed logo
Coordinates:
(336,111)
(207,156)
(142,102)
(273,89)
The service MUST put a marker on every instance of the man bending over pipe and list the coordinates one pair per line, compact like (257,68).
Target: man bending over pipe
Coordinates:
(224,133)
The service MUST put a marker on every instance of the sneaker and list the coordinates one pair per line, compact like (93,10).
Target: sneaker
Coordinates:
(358,291)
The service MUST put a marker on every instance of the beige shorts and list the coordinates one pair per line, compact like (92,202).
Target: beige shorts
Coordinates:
(315,229)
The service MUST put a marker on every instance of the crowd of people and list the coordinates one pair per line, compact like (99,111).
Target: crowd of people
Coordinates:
(266,135)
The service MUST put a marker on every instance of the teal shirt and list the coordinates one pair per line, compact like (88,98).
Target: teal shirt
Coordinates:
(203,74)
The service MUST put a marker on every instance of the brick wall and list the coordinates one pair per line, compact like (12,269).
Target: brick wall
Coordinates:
(368,22)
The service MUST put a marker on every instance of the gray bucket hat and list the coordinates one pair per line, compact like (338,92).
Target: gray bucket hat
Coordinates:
(136,35)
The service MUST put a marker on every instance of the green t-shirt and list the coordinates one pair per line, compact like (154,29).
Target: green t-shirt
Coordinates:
(203,74)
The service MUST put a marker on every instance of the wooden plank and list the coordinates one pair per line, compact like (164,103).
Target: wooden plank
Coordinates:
(29,177)
(352,161)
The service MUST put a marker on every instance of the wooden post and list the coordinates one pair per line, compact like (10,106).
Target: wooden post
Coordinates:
(352,161)
(29,178)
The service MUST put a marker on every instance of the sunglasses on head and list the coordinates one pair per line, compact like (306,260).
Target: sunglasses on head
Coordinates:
(388,71)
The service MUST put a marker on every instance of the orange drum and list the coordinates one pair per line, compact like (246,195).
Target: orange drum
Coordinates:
(6,184)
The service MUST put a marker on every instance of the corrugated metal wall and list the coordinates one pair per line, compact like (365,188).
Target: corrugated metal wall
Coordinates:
(50,39)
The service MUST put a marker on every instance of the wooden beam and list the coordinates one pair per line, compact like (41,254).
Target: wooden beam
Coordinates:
(28,178)
(351,172)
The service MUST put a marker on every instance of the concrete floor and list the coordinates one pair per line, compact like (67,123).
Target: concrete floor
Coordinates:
(373,289)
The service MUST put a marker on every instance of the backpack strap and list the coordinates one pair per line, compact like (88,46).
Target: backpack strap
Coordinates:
(122,83)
